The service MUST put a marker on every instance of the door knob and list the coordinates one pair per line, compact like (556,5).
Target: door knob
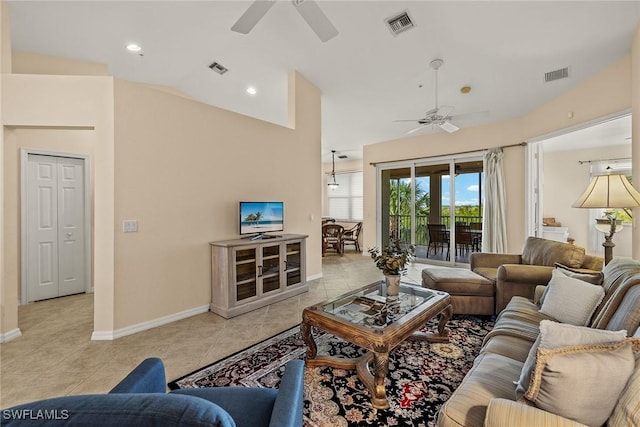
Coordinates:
(69,234)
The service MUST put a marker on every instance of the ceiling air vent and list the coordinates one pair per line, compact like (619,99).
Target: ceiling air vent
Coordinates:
(218,68)
(561,73)
(400,23)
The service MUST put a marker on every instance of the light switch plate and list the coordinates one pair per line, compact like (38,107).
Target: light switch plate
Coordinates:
(130,226)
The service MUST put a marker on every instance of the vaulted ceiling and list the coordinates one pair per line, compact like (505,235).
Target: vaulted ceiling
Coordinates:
(368,76)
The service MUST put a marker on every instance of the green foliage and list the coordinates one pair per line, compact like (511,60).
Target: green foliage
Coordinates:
(393,259)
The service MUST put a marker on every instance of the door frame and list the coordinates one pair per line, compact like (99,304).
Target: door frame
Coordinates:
(449,159)
(24,158)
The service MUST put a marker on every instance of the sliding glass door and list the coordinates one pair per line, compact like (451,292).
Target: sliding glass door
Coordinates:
(415,208)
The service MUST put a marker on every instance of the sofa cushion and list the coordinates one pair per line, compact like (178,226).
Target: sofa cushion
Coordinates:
(119,409)
(581,382)
(627,410)
(553,335)
(491,376)
(538,251)
(571,300)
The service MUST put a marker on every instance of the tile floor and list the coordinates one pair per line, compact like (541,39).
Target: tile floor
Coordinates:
(55,355)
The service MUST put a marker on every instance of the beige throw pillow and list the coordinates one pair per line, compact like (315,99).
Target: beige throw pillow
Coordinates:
(582,383)
(627,410)
(554,335)
(571,300)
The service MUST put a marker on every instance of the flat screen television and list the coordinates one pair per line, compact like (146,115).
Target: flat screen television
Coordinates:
(261,217)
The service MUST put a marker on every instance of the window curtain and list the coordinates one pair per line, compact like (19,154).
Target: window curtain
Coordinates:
(494,225)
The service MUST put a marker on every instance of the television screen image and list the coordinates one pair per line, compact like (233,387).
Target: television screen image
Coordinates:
(261,217)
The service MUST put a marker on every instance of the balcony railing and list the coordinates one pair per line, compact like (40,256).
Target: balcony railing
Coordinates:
(400,226)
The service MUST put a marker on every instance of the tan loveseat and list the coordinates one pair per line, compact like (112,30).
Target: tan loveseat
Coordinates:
(487,394)
(519,274)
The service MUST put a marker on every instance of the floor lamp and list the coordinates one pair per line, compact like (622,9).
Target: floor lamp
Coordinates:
(608,192)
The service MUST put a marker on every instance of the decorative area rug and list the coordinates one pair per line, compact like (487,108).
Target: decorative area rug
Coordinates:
(421,377)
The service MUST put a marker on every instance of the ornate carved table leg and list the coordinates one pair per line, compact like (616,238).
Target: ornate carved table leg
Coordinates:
(380,369)
(307,336)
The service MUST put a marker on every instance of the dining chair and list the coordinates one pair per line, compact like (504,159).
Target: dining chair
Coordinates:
(351,236)
(438,238)
(332,238)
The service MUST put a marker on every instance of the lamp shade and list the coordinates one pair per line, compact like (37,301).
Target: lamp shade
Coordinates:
(609,191)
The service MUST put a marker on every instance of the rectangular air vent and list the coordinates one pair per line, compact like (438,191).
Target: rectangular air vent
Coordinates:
(561,73)
(218,68)
(400,23)
(342,156)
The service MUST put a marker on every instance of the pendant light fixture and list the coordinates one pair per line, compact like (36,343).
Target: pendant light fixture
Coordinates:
(332,178)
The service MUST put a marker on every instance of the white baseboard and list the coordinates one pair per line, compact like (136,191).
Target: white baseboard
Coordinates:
(11,335)
(314,277)
(118,333)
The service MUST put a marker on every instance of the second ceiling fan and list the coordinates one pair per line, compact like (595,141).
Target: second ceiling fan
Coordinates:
(440,116)
(308,9)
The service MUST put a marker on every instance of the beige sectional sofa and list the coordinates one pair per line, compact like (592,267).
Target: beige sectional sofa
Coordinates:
(519,274)
(487,394)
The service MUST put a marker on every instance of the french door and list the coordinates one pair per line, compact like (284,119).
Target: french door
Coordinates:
(416,203)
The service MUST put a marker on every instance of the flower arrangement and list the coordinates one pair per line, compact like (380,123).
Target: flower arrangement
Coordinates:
(393,259)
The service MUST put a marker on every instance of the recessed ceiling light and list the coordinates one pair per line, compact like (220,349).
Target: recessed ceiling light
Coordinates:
(134,47)
(251,90)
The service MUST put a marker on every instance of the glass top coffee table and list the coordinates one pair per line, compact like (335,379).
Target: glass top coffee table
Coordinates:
(378,322)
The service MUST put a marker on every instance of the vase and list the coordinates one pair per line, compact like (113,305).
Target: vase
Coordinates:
(393,284)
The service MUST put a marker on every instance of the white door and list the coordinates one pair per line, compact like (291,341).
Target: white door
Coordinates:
(55,227)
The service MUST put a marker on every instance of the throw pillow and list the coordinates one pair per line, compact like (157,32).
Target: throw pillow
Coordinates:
(554,335)
(582,382)
(595,277)
(571,300)
(626,411)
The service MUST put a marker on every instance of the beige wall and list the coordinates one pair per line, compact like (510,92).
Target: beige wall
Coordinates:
(29,63)
(564,180)
(8,310)
(38,112)
(635,131)
(181,169)
(605,93)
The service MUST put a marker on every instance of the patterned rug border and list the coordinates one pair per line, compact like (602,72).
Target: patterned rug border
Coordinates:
(173,385)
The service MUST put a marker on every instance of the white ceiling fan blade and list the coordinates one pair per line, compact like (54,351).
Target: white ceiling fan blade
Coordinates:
(409,120)
(418,128)
(449,127)
(317,20)
(252,15)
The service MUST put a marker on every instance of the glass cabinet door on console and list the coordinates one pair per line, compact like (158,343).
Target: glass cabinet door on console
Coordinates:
(293,265)
(246,277)
(269,269)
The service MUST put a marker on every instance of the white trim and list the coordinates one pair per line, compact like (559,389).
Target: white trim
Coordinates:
(24,158)
(533,202)
(129,330)
(314,277)
(580,126)
(11,335)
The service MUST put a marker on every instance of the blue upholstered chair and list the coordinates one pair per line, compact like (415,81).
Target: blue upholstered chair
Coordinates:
(140,399)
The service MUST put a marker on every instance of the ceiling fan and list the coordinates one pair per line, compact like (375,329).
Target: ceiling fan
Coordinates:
(439,116)
(308,9)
